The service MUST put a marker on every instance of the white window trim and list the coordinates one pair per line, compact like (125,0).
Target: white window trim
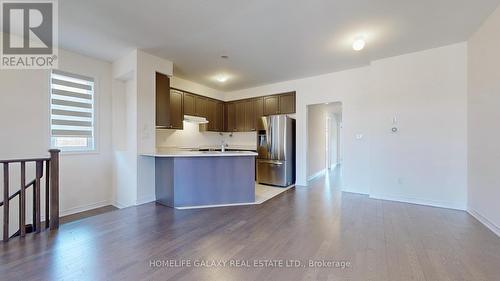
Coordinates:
(96,115)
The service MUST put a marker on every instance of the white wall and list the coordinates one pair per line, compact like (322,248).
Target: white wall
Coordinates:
(125,143)
(426,161)
(317,115)
(483,118)
(133,174)
(85,178)
(316,140)
(196,88)
(335,124)
(124,132)
(147,66)
(427,91)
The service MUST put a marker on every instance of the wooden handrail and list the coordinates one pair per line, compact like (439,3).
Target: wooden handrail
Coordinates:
(24,160)
(51,194)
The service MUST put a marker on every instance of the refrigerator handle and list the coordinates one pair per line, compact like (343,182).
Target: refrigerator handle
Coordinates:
(269,137)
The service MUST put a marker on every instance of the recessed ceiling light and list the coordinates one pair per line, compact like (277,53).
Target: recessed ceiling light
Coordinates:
(358,44)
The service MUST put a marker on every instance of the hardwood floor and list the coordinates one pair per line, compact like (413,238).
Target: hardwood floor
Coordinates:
(381,240)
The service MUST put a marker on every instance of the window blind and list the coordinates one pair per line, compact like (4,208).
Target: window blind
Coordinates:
(71,105)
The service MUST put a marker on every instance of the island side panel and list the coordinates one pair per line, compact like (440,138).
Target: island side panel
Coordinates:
(214,180)
(164,181)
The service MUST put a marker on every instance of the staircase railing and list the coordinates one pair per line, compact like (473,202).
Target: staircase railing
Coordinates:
(51,194)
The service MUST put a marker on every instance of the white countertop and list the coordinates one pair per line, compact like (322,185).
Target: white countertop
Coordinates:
(198,147)
(180,153)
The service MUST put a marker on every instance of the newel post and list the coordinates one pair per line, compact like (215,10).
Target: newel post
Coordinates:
(54,188)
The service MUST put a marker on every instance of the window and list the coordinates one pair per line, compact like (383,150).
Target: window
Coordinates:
(72,122)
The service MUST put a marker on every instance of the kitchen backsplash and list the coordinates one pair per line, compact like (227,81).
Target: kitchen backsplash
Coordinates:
(192,137)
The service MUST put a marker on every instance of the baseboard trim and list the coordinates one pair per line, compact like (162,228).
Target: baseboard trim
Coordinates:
(318,174)
(147,199)
(84,208)
(346,189)
(417,201)
(119,205)
(486,222)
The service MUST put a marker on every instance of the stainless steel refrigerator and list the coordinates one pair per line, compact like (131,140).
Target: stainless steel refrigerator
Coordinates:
(276,148)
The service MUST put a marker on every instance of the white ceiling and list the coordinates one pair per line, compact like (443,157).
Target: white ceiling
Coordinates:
(268,40)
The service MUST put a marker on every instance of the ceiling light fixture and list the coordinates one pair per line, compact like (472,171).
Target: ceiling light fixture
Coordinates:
(222,78)
(358,44)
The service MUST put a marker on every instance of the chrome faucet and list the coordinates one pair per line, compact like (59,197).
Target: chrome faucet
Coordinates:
(223,146)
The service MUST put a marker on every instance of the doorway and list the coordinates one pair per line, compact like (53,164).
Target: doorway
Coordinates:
(324,146)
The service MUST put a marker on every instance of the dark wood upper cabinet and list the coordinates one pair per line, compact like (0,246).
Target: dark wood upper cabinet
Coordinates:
(201,106)
(219,117)
(230,116)
(162,100)
(249,116)
(279,104)
(287,103)
(271,105)
(240,116)
(176,110)
(169,104)
(234,116)
(189,104)
(224,117)
(211,106)
(169,112)
(259,112)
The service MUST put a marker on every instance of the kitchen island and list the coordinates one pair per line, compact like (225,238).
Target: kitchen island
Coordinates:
(194,179)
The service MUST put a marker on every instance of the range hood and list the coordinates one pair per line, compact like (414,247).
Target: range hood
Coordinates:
(195,119)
